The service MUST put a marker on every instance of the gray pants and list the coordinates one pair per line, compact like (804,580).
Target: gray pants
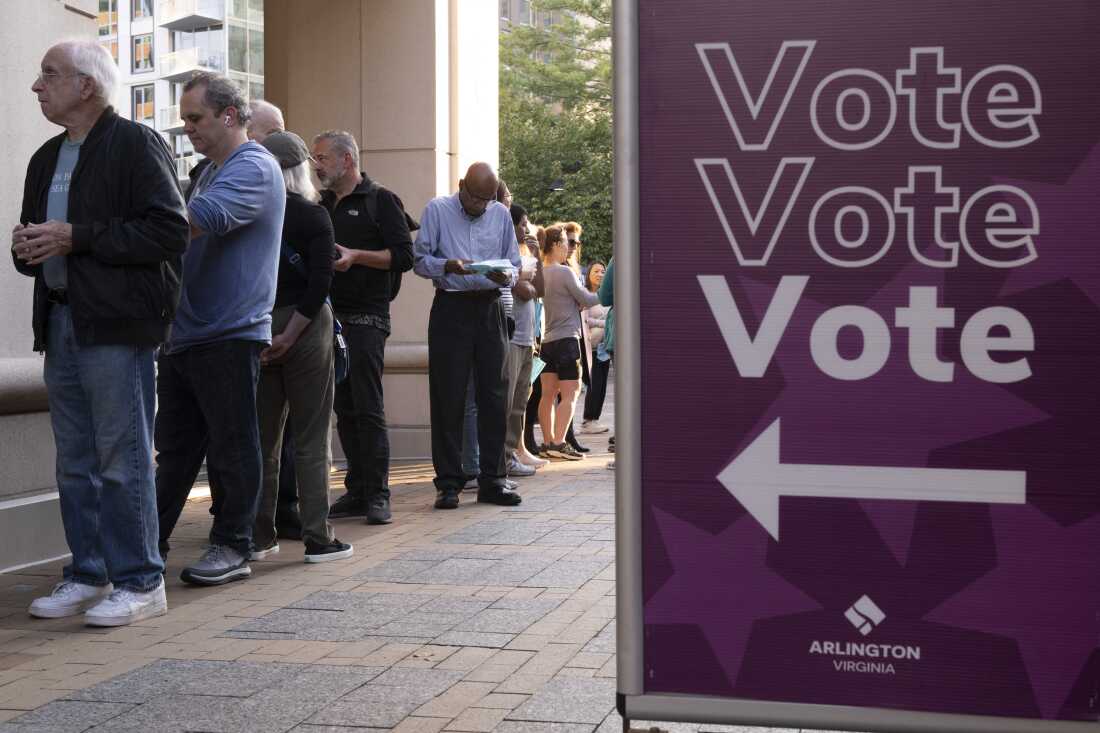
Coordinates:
(518,371)
(302,386)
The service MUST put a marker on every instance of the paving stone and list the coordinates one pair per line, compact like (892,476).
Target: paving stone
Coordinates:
(433,681)
(514,726)
(500,621)
(398,570)
(65,716)
(458,607)
(603,642)
(307,728)
(364,713)
(172,714)
(188,677)
(474,638)
(456,571)
(569,700)
(477,720)
(571,574)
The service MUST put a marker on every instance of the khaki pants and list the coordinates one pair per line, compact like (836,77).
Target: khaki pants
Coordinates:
(518,371)
(300,386)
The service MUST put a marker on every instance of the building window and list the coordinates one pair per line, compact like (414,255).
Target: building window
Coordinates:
(108,18)
(524,15)
(143,52)
(506,9)
(255,90)
(142,9)
(144,110)
(255,51)
(238,48)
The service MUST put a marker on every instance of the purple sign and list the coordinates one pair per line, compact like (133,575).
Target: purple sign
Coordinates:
(870,344)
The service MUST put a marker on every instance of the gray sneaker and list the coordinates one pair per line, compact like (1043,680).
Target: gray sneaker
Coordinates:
(219,564)
(519,470)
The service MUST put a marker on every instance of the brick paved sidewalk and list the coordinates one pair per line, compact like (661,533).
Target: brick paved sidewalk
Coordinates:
(480,619)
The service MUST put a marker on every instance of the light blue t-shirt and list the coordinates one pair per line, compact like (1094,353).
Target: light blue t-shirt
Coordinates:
(54,270)
(230,271)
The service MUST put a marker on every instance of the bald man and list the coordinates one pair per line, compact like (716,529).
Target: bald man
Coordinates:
(467,330)
(266,119)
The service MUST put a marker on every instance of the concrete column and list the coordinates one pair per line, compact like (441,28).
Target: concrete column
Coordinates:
(416,82)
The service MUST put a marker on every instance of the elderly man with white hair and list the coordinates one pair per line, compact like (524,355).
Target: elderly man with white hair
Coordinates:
(102,225)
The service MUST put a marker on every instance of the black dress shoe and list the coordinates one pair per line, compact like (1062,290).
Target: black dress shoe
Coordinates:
(500,496)
(378,511)
(447,499)
(348,506)
(578,447)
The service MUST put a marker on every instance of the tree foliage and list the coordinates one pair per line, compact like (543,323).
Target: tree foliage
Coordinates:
(555,118)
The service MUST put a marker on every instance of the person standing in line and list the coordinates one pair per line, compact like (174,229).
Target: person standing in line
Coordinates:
(265,119)
(595,318)
(102,221)
(210,366)
(374,243)
(561,350)
(297,378)
(467,329)
(607,299)
(521,349)
(470,456)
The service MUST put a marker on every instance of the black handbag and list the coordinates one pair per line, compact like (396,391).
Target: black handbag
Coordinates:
(339,345)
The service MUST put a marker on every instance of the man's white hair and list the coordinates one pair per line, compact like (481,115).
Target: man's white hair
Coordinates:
(262,107)
(94,61)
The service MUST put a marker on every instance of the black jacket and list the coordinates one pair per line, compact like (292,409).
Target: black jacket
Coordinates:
(129,231)
(365,289)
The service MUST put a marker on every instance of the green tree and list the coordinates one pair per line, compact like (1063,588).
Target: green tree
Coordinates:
(555,118)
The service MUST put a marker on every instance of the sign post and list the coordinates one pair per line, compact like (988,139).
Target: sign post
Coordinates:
(858,296)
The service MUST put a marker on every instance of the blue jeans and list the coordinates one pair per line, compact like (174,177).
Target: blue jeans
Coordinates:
(207,409)
(101,408)
(471,456)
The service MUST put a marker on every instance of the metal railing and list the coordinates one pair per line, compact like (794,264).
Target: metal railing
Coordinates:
(172,11)
(191,59)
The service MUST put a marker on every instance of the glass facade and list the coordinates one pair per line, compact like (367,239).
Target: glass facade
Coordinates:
(107,21)
(143,53)
(141,9)
(143,106)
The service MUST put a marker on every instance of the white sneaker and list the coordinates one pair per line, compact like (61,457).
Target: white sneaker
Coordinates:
(593,427)
(533,461)
(68,598)
(125,606)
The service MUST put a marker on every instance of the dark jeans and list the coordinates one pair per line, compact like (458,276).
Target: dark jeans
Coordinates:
(467,331)
(206,408)
(287,511)
(597,389)
(361,416)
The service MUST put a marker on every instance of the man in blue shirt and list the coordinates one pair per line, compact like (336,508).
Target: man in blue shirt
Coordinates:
(210,366)
(467,330)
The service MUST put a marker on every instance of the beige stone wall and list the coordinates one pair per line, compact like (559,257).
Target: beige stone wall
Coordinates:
(28,508)
(416,82)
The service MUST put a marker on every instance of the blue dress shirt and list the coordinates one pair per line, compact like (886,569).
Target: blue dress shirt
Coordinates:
(447,232)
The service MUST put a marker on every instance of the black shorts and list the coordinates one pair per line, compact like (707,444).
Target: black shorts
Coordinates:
(562,357)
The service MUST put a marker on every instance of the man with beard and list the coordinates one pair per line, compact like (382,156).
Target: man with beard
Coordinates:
(467,330)
(372,241)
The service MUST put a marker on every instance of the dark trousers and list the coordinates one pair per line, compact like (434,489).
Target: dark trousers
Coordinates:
(287,512)
(361,416)
(206,408)
(467,331)
(597,388)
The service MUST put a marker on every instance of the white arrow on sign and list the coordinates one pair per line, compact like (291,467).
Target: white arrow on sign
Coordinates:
(757,479)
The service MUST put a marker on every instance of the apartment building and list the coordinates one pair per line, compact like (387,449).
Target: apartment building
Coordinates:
(158,44)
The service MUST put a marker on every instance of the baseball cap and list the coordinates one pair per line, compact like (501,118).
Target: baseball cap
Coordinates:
(288,148)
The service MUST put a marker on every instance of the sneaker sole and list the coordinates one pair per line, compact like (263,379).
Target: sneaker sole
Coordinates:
(330,556)
(563,456)
(378,520)
(158,609)
(261,554)
(235,574)
(63,612)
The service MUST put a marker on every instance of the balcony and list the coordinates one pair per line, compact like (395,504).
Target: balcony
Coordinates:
(187,15)
(180,65)
(168,120)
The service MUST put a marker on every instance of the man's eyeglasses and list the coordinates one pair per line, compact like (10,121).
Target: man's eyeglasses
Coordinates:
(481,199)
(49,77)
